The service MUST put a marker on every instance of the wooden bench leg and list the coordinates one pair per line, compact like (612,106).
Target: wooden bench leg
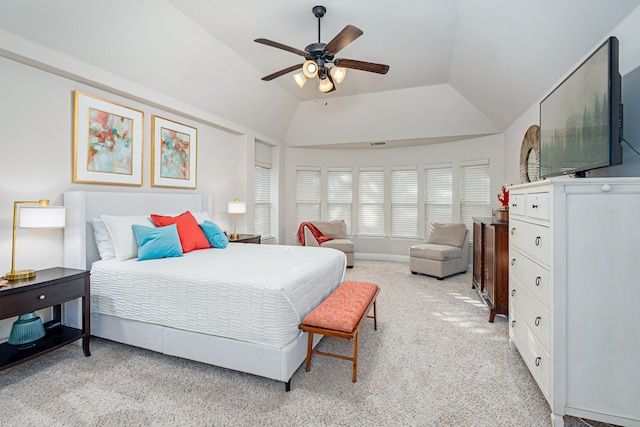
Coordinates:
(355,356)
(309,348)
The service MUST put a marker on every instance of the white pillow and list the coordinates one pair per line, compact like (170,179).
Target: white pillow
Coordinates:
(124,241)
(200,217)
(101,235)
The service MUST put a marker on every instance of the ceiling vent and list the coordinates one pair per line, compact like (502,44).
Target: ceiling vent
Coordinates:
(378,144)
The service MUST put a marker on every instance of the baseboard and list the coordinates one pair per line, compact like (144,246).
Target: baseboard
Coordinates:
(381,257)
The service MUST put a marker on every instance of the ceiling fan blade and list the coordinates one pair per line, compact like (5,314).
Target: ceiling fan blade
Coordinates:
(282,72)
(362,65)
(343,38)
(281,46)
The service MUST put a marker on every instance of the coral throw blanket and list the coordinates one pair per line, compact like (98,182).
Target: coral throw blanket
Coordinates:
(320,238)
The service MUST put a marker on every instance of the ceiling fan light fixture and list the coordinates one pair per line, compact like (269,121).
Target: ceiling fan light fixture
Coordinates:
(300,78)
(325,85)
(338,74)
(310,69)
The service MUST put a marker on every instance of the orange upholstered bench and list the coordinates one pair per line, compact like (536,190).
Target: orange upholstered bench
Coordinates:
(340,315)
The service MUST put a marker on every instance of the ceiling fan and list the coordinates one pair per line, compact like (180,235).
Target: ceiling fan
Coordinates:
(319,55)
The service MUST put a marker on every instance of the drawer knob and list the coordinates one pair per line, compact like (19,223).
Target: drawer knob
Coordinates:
(41,297)
(513,261)
(538,241)
(537,321)
(513,205)
(538,359)
(538,279)
(513,231)
(513,292)
(513,323)
(534,206)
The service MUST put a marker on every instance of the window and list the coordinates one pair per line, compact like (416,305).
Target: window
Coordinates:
(340,195)
(438,195)
(404,202)
(371,202)
(474,191)
(263,201)
(307,194)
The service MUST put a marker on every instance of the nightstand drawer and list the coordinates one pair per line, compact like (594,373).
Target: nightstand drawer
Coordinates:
(36,299)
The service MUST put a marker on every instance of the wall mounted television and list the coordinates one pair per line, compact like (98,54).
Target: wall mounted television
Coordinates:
(581,119)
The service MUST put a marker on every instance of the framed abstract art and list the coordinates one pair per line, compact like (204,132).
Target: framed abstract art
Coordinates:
(174,154)
(108,141)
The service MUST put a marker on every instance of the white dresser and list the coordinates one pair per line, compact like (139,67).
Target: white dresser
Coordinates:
(574,294)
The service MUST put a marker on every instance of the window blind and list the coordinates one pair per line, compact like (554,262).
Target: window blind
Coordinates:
(307,194)
(371,202)
(404,202)
(438,194)
(263,201)
(474,191)
(340,195)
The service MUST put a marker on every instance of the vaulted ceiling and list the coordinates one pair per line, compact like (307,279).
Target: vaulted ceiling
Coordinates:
(500,56)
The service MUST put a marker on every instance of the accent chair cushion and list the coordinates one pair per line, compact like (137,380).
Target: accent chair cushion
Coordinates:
(157,242)
(344,245)
(435,252)
(451,234)
(336,228)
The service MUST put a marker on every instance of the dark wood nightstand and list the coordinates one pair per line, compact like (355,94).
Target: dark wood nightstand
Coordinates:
(246,238)
(49,288)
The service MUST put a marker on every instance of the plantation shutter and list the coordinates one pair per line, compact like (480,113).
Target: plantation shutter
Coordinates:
(438,194)
(340,195)
(263,200)
(307,194)
(371,201)
(404,202)
(474,191)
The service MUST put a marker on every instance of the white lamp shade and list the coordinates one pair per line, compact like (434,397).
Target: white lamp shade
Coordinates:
(300,78)
(42,217)
(237,207)
(338,74)
(325,85)
(310,69)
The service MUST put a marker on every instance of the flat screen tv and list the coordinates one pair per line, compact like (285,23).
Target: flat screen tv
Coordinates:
(581,120)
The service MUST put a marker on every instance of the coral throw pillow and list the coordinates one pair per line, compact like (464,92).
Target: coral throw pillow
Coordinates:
(191,235)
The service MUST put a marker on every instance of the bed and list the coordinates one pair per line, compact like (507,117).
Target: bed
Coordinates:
(237,308)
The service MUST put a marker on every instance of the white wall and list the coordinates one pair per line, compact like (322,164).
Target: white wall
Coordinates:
(36,118)
(489,147)
(628,34)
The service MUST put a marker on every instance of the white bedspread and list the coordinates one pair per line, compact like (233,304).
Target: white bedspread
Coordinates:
(249,292)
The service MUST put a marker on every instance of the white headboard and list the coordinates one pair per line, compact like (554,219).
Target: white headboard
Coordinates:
(80,250)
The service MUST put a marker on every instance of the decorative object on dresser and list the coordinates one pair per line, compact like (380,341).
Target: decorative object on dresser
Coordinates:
(491,264)
(236,208)
(446,251)
(530,155)
(503,197)
(573,269)
(49,288)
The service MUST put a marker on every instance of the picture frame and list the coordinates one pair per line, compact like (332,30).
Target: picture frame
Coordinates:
(108,142)
(174,154)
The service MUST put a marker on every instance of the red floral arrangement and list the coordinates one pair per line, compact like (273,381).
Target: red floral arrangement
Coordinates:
(503,198)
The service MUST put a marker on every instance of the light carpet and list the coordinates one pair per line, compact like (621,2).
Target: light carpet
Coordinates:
(435,360)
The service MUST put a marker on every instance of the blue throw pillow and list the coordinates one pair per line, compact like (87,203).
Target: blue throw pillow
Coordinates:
(155,243)
(215,235)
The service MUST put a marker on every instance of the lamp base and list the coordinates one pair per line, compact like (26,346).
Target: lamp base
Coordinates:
(20,274)
(234,236)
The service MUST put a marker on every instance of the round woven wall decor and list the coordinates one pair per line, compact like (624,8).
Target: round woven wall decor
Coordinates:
(530,146)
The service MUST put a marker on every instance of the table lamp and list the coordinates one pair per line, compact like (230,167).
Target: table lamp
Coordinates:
(236,208)
(28,328)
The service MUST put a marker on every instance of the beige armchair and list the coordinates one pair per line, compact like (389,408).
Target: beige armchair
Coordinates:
(336,229)
(445,252)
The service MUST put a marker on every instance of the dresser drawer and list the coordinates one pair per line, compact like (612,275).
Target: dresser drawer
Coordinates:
(35,299)
(537,205)
(534,356)
(532,239)
(531,313)
(535,278)
(516,204)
